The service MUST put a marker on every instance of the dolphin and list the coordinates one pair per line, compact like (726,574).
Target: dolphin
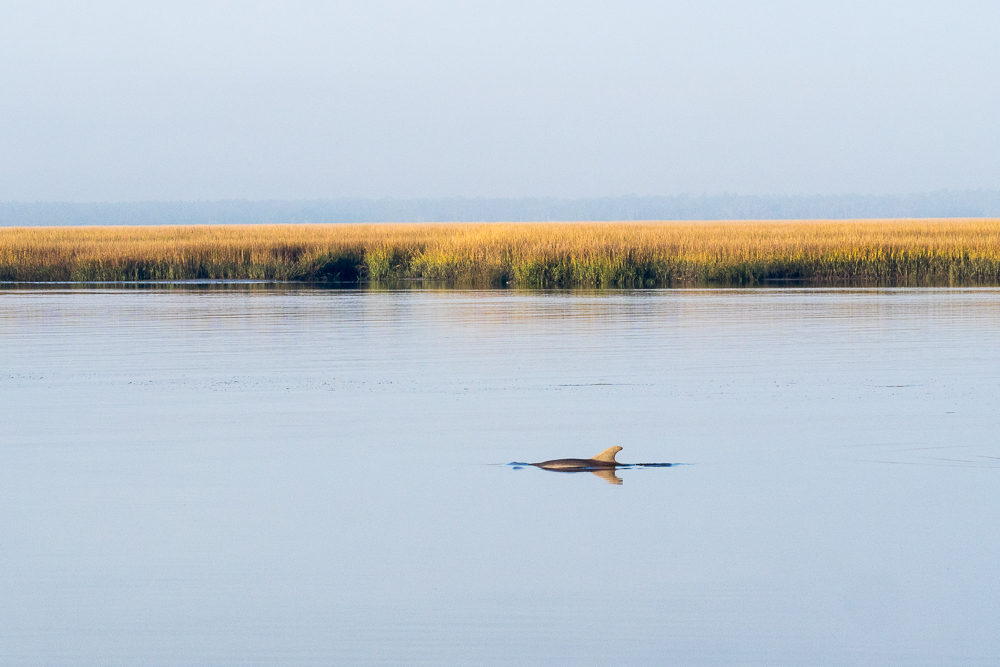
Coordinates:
(604,460)
(602,465)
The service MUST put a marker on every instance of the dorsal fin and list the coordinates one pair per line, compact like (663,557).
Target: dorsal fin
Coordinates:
(608,455)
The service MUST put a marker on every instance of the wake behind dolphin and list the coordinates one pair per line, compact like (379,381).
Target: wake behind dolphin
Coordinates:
(603,465)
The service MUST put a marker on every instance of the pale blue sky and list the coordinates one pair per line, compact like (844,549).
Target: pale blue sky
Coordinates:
(209,100)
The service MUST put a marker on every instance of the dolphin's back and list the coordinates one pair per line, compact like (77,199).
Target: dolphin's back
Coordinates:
(569,464)
(605,459)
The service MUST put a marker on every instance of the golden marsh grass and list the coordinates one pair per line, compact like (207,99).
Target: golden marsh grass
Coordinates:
(584,254)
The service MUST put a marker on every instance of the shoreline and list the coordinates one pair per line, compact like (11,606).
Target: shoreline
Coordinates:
(802,253)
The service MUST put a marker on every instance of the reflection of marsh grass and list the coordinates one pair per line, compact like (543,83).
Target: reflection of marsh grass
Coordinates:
(598,254)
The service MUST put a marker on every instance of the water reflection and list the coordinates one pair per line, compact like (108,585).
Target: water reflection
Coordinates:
(607,474)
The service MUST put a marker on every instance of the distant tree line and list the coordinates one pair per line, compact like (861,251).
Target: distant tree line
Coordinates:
(943,204)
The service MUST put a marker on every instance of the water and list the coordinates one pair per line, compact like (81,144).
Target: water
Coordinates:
(261,475)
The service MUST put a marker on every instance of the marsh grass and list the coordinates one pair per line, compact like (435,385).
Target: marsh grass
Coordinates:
(612,254)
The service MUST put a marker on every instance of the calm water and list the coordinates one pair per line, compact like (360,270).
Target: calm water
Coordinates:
(273,476)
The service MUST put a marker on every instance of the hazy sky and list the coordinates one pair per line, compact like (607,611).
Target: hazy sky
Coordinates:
(210,100)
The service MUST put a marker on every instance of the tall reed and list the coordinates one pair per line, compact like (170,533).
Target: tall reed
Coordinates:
(612,254)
